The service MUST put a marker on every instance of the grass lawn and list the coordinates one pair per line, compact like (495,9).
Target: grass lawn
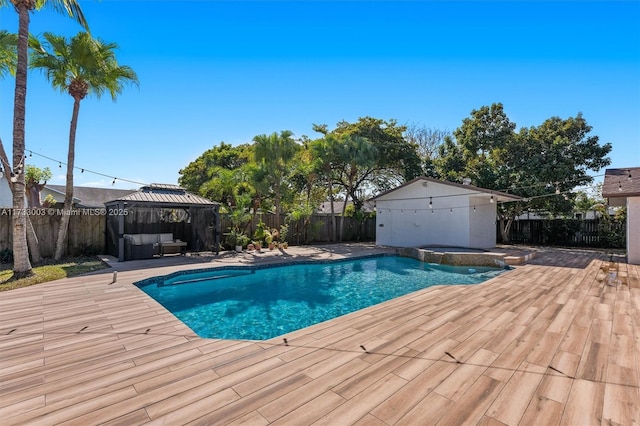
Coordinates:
(49,271)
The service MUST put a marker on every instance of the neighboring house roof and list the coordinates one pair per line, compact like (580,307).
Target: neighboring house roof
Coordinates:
(498,195)
(85,196)
(621,183)
(164,194)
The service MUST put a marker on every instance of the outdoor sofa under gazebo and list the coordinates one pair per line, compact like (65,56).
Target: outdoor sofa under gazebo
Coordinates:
(161,219)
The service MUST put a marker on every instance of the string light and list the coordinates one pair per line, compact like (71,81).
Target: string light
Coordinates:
(82,170)
(629,178)
(619,186)
(430,202)
(491,199)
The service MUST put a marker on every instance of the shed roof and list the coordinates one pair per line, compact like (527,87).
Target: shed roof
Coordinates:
(164,195)
(498,195)
(621,183)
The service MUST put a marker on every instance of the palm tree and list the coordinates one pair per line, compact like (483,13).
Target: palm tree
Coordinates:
(8,54)
(79,66)
(21,264)
(275,153)
(325,152)
(356,155)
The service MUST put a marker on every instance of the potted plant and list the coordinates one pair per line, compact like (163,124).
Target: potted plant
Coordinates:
(236,238)
(242,241)
(268,239)
(284,229)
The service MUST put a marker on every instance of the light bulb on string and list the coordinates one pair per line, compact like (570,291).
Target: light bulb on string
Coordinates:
(430,202)
(491,199)
(114,181)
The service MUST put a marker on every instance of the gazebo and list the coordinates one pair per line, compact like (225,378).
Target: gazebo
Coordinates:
(160,210)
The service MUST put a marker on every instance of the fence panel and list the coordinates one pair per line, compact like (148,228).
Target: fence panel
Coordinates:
(86,233)
(316,229)
(575,232)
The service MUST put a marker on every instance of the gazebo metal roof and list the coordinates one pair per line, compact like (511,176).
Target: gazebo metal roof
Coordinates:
(164,195)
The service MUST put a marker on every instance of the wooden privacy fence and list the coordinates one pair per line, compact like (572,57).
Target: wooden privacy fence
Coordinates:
(85,235)
(316,229)
(88,229)
(575,232)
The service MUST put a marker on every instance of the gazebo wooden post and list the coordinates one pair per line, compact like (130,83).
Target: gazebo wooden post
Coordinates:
(216,213)
(119,212)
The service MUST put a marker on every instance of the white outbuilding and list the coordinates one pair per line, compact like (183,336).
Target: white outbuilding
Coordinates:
(622,188)
(431,212)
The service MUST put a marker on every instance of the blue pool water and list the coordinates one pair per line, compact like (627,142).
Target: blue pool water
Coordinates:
(257,304)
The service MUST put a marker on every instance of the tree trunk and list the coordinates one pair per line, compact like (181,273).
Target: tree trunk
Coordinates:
(32,239)
(21,264)
(332,218)
(33,195)
(32,242)
(505,227)
(68,198)
(344,209)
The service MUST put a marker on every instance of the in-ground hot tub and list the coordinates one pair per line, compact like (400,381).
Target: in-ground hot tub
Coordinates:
(455,256)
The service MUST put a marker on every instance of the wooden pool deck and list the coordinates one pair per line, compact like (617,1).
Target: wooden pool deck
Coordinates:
(555,341)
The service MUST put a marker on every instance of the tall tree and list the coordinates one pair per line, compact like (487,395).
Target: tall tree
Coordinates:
(355,154)
(482,139)
(542,164)
(396,160)
(427,140)
(216,173)
(325,154)
(274,153)
(79,66)
(21,263)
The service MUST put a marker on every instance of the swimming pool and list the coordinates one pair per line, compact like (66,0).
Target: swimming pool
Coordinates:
(260,303)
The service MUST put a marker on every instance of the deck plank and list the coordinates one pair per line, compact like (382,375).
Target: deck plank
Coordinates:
(552,342)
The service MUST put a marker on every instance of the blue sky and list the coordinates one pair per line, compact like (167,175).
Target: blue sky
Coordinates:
(213,71)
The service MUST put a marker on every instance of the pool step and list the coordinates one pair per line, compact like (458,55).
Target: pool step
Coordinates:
(208,278)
